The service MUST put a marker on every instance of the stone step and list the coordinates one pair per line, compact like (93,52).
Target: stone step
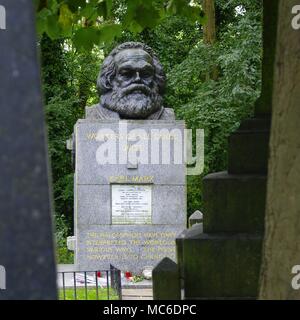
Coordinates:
(140,292)
(248,147)
(221,265)
(234,203)
(137,294)
(136,298)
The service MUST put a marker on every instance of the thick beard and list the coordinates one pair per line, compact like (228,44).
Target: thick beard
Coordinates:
(130,104)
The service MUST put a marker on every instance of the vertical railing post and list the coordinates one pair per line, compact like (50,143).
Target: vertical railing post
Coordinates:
(64,285)
(107,284)
(115,280)
(119,284)
(85,286)
(75,289)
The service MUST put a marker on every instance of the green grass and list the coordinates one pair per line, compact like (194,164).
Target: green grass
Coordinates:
(91,294)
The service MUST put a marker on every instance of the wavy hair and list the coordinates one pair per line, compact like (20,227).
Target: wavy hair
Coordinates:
(108,69)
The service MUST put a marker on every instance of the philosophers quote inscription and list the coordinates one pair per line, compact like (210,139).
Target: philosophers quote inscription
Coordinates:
(131,204)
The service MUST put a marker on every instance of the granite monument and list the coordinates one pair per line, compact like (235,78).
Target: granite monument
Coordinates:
(130,197)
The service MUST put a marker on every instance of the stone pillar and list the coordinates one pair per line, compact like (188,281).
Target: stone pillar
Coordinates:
(166,284)
(26,243)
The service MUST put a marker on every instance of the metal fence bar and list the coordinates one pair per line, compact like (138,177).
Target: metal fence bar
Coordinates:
(112,277)
(85,286)
(107,284)
(113,280)
(119,284)
(64,285)
(97,290)
(75,289)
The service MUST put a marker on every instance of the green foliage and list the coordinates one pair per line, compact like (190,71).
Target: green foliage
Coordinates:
(55,71)
(171,40)
(138,278)
(218,106)
(61,119)
(226,13)
(90,23)
(63,255)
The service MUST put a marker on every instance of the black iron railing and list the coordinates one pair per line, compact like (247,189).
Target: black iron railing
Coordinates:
(90,285)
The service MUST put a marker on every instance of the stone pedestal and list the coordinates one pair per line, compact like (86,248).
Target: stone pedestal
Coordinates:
(224,261)
(127,213)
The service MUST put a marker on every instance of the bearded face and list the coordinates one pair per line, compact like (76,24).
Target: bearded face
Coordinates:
(135,93)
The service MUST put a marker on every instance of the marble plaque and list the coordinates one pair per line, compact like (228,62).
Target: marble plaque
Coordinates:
(131,204)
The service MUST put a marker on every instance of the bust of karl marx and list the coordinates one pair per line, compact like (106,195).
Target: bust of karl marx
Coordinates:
(131,84)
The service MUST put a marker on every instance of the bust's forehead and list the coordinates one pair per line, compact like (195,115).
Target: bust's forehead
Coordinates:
(127,55)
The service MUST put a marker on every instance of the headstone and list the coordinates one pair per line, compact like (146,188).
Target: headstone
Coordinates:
(193,230)
(166,282)
(71,243)
(196,217)
(26,244)
(130,190)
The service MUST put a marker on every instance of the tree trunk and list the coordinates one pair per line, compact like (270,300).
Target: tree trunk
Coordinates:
(282,237)
(209,32)
(209,29)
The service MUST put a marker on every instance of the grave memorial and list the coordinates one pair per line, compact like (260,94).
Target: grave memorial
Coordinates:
(130,190)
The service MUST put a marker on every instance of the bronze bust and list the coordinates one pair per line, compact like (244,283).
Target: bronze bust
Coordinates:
(131,84)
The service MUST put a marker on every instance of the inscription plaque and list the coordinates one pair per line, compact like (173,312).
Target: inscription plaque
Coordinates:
(131,204)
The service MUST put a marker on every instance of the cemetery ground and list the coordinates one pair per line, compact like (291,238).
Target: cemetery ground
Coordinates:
(89,294)
(76,285)
(84,286)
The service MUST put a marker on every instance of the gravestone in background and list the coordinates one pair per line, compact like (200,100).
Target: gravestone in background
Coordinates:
(130,196)
(26,245)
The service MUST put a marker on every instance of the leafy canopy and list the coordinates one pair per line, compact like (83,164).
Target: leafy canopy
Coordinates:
(97,22)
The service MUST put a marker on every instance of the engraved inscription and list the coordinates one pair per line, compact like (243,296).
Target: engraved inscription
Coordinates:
(130,246)
(131,204)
